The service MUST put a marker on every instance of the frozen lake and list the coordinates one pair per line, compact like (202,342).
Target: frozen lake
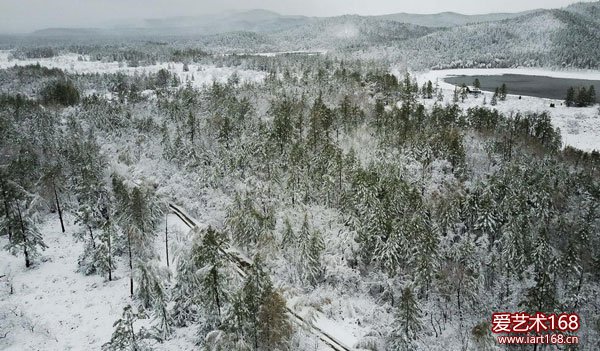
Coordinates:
(528,85)
(521,84)
(524,81)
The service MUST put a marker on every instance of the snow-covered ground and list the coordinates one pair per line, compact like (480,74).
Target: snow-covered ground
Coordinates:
(197,75)
(580,127)
(53,306)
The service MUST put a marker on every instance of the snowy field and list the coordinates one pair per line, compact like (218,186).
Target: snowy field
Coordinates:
(580,127)
(197,75)
(55,307)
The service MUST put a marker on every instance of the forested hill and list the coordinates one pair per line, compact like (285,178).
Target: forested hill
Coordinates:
(448,19)
(552,38)
(349,33)
(559,38)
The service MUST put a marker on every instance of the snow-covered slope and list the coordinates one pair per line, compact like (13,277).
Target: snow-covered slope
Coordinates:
(559,38)
(448,19)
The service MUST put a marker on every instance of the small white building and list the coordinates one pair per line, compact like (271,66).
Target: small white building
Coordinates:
(473,90)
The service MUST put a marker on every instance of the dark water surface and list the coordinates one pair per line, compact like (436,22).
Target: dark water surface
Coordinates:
(519,84)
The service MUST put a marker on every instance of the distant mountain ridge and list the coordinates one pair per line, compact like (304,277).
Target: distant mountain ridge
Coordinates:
(567,37)
(259,21)
(264,20)
(268,21)
(448,19)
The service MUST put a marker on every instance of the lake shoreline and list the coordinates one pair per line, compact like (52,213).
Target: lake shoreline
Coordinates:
(524,85)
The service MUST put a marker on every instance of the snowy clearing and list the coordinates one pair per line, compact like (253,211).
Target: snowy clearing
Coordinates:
(197,75)
(55,307)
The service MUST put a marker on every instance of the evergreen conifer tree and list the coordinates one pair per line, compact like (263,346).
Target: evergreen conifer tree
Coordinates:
(288,238)
(310,248)
(138,213)
(494,100)
(275,328)
(259,314)
(103,257)
(440,94)
(502,93)
(426,256)
(125,336)
(282,123)
(256,285)
(320,122)
(429,90)
(407,322)
(542,297)
(570,99)
(185,292)
(582,98)
(208,257)
(150,287)
(248,222)
(26,237)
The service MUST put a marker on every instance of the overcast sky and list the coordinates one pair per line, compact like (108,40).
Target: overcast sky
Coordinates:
(27,15)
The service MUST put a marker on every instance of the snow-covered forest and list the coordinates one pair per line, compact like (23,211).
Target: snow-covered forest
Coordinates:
(165,195)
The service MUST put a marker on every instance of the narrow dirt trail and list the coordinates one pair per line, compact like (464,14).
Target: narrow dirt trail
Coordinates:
(241,264)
